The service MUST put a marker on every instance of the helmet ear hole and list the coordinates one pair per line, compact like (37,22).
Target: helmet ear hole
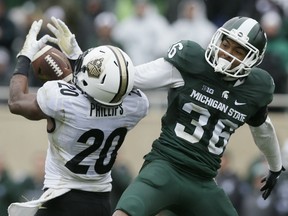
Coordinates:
(103,80)
(84,83)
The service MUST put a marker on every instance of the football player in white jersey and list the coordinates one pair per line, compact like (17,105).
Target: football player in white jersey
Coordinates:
(87,121)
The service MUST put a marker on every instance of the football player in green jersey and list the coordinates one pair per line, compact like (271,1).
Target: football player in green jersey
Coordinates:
(211,93)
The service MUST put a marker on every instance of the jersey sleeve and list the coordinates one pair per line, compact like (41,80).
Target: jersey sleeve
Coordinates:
(137,106)
(49,100)
(261,86)
(259,118)
(143,105)
(188,57)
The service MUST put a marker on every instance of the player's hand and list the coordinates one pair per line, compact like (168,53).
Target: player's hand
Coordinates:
(270,182)
(32,45)
(64,39)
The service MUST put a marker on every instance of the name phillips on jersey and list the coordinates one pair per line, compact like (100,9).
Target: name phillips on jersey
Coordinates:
(219,106)
(101,111)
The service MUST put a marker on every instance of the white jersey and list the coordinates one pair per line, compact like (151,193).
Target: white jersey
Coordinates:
(84,144)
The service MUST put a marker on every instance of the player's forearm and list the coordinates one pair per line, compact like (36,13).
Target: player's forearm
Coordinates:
(266,139)
(21,102)
(18,84)
(17,93)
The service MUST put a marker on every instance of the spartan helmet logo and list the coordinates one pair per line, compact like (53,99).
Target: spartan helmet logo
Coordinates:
(225,94)
(94,67)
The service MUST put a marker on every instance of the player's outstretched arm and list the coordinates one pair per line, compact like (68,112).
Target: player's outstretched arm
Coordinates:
(21,102)
(266,140)
(64,39)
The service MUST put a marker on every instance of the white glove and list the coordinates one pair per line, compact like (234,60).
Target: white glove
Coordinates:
(64,39)
(32,45)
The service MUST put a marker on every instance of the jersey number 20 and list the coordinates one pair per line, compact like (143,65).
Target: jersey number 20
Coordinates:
(109,157)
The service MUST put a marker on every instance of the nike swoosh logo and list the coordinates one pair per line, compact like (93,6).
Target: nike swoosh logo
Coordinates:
(239,103)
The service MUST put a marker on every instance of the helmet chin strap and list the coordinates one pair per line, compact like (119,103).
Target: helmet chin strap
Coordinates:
(222,65)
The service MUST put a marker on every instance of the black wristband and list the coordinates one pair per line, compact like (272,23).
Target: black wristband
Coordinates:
(22,66)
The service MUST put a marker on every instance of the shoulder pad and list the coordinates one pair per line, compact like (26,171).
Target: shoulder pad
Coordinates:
(261,83)
(188,57)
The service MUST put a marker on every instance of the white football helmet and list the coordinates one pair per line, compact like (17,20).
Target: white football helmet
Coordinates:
(248,33)
(104,73)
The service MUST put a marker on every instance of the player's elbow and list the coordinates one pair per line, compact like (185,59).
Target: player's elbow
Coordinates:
(29,113)
(13,106)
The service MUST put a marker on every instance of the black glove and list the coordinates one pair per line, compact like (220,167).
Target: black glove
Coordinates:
(270,182)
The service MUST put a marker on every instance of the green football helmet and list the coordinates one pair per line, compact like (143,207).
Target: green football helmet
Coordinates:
(248,33)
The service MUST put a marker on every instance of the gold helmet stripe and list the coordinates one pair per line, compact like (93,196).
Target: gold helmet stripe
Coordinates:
(123,74)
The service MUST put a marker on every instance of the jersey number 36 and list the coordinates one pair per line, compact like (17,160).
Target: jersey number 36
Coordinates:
(221,130)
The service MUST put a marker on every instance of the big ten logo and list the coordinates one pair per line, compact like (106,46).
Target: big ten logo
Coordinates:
(208,89)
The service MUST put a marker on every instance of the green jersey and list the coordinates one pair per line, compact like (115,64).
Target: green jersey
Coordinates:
(204,112)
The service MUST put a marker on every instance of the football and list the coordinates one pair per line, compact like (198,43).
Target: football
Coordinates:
(51,64)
